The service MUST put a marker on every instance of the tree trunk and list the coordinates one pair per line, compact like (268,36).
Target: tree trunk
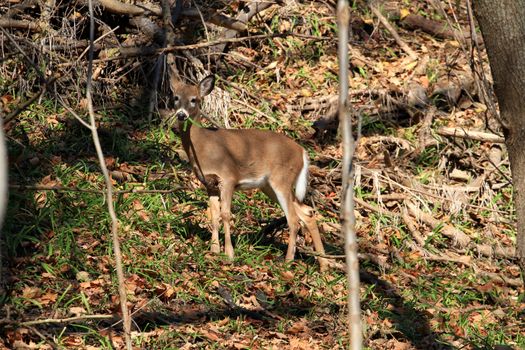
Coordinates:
(502,24)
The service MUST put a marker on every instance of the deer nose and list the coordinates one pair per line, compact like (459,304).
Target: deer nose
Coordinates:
(181,115)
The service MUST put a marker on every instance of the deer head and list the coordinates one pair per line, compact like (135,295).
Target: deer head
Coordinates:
(187,100)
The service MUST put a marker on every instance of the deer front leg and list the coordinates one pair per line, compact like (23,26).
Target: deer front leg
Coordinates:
(215,212)
(226,200)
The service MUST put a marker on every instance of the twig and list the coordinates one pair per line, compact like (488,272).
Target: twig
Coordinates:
(86,190)
(413,192)
(66,320)
(26,57)
(73,113)
(130,52)
(347,193)
(258,111)
(49,341)
(206,30)
(3,195)
(109,194)
(393,31)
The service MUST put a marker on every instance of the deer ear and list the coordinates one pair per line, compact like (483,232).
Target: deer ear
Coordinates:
(206,85)
(174,79)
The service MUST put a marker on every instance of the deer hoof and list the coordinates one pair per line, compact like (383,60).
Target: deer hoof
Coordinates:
(323,265)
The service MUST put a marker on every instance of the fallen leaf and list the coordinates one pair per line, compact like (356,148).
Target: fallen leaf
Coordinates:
(30,292)
(48,298)
(77,311)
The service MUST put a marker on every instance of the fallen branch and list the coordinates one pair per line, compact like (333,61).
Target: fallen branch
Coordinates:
(459,238)
(217,19)
(432,27)
(497,277)
(361,256)
(121,8)
(470,134)
(404,46)
(17,24)
(496,251)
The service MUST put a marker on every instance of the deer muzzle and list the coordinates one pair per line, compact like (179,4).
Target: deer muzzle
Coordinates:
(181,115)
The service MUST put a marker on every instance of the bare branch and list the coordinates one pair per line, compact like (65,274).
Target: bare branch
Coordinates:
(73,113)
(347,195)
(109,194)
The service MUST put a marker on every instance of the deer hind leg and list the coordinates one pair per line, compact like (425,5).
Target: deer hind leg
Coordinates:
(283,195)
(227,189)
(307,216)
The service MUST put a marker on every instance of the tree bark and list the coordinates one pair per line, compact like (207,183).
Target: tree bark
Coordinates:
(502,24)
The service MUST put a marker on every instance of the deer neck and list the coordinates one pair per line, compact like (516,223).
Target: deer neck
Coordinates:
(189,137)
(189,132)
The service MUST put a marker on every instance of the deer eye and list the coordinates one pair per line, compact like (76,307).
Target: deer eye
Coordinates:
(193,101)
(176,98)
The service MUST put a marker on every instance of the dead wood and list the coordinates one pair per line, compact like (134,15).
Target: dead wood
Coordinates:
(432,27)
(471,134)
(140,9)
(496,251)
(216,18)
(149,28)
(245,15)
(18,24)
(412,227)
(121,8)
(502,279)
(425,138)
(458,238)
(15,9)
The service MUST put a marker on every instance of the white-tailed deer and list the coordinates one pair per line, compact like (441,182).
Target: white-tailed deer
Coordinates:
(226,160)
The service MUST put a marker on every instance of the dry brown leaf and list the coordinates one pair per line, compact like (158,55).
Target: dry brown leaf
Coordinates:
(48,298)
(31,292)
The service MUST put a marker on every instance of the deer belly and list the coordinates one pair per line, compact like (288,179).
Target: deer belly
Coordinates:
(252,183)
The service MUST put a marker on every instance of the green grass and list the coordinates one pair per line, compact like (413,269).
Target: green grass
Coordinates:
(59,255)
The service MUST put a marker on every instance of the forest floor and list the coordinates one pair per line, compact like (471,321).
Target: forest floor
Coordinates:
(435,217)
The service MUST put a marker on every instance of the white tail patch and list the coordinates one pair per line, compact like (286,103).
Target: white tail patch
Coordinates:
(302,180)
